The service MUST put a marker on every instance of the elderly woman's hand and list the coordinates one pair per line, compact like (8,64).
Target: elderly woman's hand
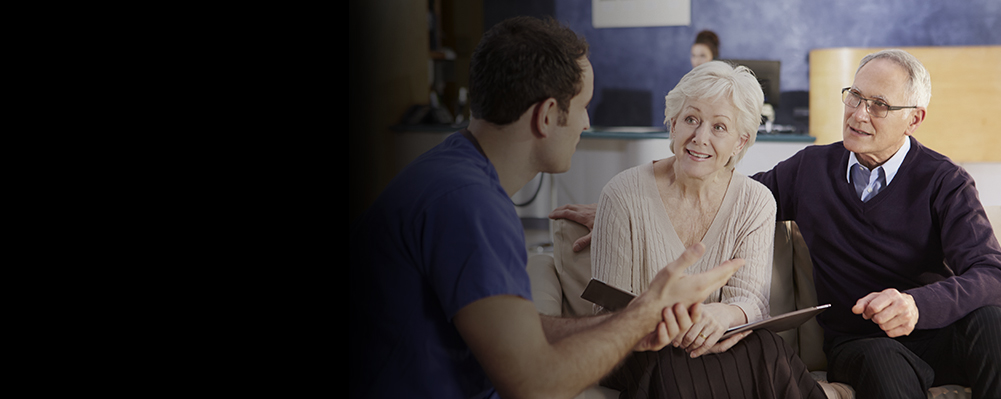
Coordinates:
(703,337)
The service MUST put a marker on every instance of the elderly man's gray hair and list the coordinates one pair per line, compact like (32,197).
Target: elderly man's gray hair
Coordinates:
(919,81)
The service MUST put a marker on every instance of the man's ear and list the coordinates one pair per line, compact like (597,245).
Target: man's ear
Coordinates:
(545,117)
(917,116)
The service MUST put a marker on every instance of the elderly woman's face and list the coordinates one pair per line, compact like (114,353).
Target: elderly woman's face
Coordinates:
(705,136)
(701,54)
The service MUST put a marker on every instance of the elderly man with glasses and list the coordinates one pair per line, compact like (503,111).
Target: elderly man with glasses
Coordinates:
(901,245)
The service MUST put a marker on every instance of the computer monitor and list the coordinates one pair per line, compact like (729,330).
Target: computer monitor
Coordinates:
(768,74)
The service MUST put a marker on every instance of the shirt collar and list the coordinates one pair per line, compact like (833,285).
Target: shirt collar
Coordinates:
(472,139)
(890,167)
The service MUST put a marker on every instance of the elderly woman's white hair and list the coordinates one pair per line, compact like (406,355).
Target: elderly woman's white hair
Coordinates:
(918,79)
(717,81)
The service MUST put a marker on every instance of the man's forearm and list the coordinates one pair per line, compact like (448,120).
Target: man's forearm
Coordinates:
(591,347)
(557,328)
(509,339)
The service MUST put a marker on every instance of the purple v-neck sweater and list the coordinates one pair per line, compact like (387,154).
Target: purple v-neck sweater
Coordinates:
(925,234)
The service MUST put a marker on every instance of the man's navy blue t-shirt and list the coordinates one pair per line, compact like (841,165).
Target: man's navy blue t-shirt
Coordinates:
(442,235)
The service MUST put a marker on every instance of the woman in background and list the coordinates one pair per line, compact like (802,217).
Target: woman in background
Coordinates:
(705,48)
(648,215)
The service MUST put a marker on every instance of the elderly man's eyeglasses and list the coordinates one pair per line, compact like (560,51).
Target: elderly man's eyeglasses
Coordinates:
(874,107)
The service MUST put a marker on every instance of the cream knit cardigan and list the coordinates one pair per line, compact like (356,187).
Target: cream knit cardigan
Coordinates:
(633,238)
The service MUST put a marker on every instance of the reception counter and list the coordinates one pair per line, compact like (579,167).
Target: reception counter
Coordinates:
(644,133)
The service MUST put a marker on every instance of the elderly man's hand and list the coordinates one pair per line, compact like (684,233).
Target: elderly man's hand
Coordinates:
(583,214)
(895,312)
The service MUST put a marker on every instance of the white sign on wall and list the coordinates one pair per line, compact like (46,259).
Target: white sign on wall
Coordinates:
(636,13)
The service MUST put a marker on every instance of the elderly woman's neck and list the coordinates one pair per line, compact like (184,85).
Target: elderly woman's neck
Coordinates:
(701,189)
(695,190)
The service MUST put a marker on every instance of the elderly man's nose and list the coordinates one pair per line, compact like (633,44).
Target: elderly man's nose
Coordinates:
(862,111)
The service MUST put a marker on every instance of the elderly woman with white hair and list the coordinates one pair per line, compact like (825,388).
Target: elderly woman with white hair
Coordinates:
(648,215)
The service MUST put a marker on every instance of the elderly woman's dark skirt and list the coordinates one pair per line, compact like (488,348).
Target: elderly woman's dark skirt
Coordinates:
(761,365)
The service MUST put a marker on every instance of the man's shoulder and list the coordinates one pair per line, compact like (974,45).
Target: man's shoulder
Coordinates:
(836,149)
(754,194)
(451,177)
(809,161)
(454,155)
(815,154)
(454,164)
(928,155)
(927,164)
(752,188)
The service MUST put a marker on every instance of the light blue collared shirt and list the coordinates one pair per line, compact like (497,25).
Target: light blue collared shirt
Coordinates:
(890,167)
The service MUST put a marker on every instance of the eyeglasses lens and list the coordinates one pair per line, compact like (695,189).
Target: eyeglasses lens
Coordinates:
(874,107)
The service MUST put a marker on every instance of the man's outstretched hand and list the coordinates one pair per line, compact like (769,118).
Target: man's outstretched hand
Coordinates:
(678,293)
(583,214)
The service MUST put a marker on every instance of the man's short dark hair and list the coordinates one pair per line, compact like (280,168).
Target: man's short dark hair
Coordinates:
(522,61)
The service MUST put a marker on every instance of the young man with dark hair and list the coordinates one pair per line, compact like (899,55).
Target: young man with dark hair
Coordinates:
(441,301)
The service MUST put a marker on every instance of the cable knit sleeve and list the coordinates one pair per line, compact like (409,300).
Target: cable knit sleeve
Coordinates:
(753,232)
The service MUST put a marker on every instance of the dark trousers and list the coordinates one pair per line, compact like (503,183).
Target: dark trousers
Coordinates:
(966,353)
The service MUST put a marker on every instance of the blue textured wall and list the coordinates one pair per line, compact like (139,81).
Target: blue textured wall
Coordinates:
(653,59)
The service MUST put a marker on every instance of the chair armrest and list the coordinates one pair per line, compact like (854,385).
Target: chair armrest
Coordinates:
(547,295)
(782,298)
(573,268)
(811,335)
